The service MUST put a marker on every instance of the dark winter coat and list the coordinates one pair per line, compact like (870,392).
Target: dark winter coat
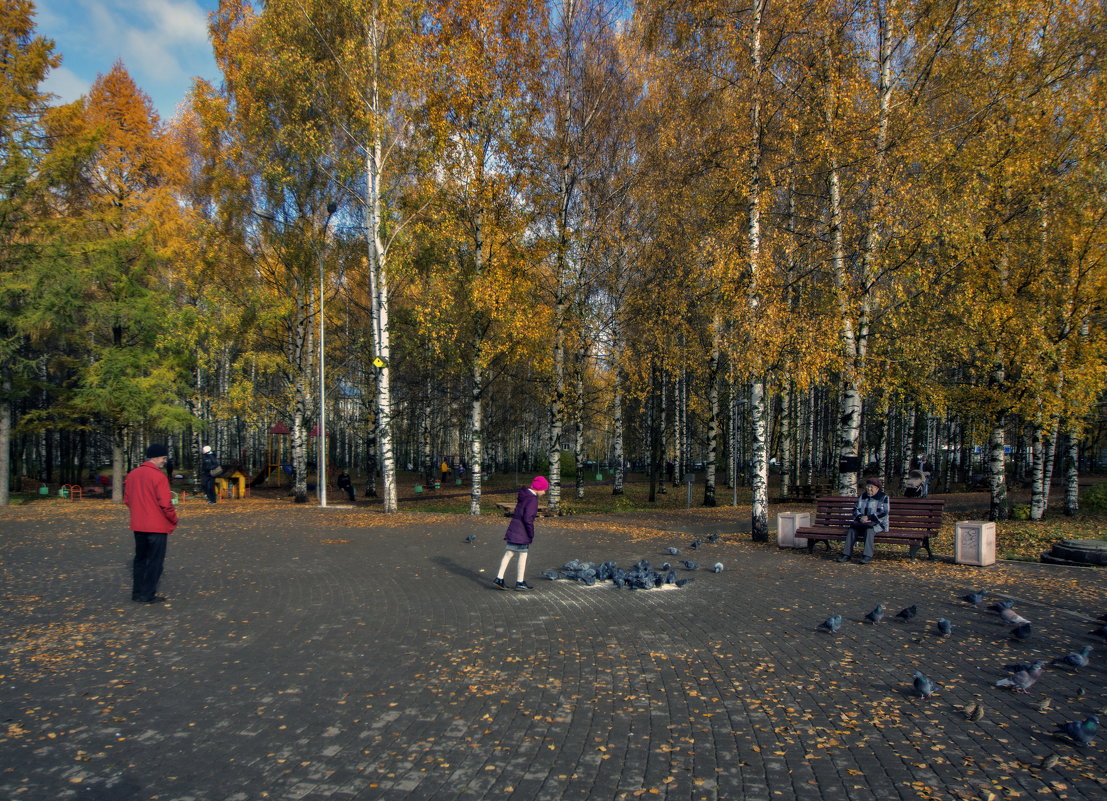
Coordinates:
(520,531)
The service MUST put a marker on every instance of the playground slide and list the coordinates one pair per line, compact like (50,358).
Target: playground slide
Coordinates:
(261,476)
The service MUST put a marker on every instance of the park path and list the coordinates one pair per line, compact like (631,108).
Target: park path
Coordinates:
(340,654)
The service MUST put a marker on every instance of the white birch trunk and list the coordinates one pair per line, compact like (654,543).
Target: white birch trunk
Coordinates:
(378,277)
(1050,456)
(475,441)
(617,411)
(1072,474)
(578,424)
(1037,472)
(759,476)
(787,427)
(5,438)
(557,411)
(713,409)
(759,521)
(999,507)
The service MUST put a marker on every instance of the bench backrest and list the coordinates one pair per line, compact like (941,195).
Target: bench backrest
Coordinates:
(903,513)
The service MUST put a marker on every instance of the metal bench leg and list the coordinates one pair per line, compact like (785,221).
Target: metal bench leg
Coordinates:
(811,546)
(929,553)
(914,549)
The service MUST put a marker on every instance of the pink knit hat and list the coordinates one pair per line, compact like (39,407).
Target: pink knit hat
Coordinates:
(540,484)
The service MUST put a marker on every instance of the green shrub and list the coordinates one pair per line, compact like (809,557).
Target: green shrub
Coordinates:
(1020,512)
(1094,499)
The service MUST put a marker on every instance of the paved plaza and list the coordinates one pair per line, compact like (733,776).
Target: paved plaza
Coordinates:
(314,654)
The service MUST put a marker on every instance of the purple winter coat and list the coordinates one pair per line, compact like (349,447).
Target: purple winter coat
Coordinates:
(520,531)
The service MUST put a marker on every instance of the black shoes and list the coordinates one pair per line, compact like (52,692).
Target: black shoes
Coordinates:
(157,599)
(522,586)
(499,584)
(843,558)
(866,559)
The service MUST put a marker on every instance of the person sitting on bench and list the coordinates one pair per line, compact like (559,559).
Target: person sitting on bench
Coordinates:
(870,516)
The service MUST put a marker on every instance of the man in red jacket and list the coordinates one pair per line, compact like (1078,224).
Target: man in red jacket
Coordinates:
(153,518)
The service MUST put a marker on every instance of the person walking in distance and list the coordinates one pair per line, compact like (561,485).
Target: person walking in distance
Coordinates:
(207,479)
(520,533)
(153,518)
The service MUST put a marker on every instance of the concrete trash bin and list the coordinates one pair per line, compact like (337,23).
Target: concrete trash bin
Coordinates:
(786,525)
(974,542)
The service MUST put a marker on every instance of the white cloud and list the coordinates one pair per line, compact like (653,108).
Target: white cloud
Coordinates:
(65,84)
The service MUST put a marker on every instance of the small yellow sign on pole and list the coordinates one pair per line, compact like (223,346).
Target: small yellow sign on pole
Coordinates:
(378,362)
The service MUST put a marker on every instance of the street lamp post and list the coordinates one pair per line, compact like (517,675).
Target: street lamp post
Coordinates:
(332,207)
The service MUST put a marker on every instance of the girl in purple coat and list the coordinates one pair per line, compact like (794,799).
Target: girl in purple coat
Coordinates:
(520,533)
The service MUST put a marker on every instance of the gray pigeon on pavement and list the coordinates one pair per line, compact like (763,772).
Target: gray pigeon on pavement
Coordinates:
(945,628)
(1080,732)
(832,623)
(1024,679)
(1011,617)
(924,687)
(876,615)
(1076,660)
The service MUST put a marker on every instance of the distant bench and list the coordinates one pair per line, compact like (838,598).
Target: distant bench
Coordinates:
(805,492)
(509,509)
(911,522)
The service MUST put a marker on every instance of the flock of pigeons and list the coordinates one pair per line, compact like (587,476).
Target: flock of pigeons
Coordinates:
(1023,676)
(641,576)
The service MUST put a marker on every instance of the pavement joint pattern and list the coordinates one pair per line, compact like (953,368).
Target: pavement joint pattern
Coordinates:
(307,654)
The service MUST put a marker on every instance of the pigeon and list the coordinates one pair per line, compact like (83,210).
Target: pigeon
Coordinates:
(672,551)
(1049,762)
(924,687)
(696,543)
(666,566)
(977,714)
(689,565)
(1015,668)
(999,606)
(876,615)
(718,568)
(552,575)
(684,582)
(1080,732)
(1012,617)
(670,577)
(945,628)
(908,613)
(1022,631)
(1045,704)
(1076,660)
(832,623)
(713,538)
(1024,679)
(471,539)
(975,598)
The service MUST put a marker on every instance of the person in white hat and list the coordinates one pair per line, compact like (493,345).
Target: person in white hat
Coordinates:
(207,465)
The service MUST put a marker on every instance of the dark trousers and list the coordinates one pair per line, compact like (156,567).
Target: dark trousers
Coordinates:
(862,530)
(208,484)
(149,560)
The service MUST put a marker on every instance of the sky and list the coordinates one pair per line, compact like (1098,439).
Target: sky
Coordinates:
(162,43)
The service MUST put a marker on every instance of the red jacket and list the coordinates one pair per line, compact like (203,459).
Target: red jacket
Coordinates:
(146,493)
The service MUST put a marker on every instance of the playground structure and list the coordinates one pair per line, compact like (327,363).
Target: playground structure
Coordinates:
(278,459)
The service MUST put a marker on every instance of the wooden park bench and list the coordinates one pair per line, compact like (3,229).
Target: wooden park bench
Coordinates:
(509,509)
(805,492)
(911,522)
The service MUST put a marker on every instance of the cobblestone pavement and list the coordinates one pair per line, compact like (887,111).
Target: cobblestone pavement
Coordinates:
(337,654)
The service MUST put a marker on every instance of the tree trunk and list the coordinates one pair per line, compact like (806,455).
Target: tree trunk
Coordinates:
(1037,472)
(117,466)
(787,439)
(759,475)
(475,426)
(1072,474)
(617,417)
(999,506)
(5,437)
(713,410)
(557,412)
(578,423)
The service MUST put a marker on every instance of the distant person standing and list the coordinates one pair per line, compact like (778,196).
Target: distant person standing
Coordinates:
(923,465)
(207,464)
(346,484)
(153,518)
(520,533)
